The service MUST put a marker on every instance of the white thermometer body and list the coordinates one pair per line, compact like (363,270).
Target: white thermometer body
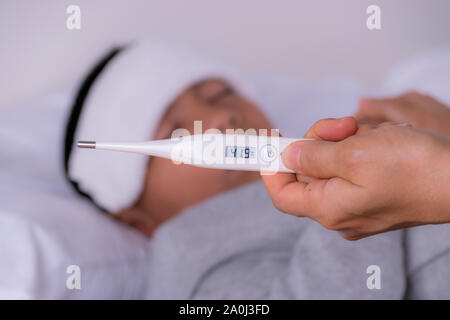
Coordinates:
(215,151)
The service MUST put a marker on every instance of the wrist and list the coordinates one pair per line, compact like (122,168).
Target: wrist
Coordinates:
(441,194)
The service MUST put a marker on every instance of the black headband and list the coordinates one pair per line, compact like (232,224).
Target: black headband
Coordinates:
(75,113)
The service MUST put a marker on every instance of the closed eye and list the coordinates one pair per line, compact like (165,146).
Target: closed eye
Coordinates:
(227,91)
(212,91)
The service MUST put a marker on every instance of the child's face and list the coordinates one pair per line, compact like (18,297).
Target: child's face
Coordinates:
(169,188)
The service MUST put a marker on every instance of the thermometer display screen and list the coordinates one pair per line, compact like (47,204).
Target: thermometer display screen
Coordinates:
(239,152)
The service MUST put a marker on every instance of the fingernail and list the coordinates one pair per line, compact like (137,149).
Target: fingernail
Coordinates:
(405,124)
(291,156)
(364,102)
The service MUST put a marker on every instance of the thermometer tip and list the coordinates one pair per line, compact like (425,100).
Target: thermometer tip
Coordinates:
(86,144)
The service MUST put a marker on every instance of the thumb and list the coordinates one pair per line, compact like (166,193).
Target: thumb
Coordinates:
(316,159)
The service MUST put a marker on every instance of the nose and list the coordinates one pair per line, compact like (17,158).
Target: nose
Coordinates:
(222,119)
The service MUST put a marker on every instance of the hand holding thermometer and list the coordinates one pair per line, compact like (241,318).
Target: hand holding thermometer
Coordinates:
(215,151)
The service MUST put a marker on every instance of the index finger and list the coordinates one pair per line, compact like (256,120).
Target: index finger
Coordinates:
(333,129)
(284,189)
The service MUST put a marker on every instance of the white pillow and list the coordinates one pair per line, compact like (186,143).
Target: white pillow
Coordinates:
(45,227)
(293,106)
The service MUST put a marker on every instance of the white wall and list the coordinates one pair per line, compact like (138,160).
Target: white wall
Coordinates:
(311,39)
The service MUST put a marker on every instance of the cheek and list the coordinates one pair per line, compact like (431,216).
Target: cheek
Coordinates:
(165,173)
(156,179)
(182,178)
(254,117)
(190,113)
(194,179)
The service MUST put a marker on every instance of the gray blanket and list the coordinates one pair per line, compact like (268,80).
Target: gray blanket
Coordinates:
(238,246)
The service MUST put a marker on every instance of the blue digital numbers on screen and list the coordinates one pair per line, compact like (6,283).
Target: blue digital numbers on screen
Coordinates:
(239,152)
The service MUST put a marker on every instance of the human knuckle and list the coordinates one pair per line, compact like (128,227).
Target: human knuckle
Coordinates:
(330,221)
(352,156)
(278,203)
(412,93)
(351,236)
(281,206)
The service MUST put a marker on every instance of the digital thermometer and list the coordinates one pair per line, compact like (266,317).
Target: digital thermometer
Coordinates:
(215,151)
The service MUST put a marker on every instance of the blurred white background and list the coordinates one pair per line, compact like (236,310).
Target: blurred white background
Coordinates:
(310,39)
